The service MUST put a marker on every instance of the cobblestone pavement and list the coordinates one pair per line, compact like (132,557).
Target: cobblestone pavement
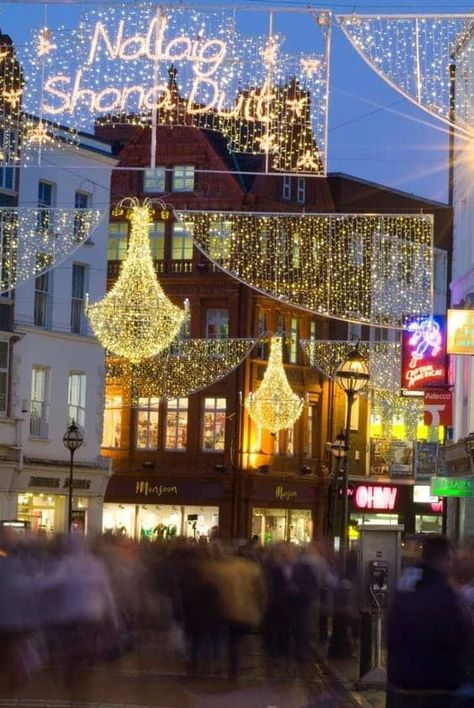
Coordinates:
(150,677)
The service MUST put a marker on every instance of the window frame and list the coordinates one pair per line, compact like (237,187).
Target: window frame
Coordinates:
(45,215)
(43,294)
(286,188)
(176,410)
(301,190)
(112,419)
(187,186)
(77,302)
(154,180)
(4,371)
(213,411)
(76,410)
(184,240)
(216,318)
(151,409)
(156,235)
(120,240)
(43,403)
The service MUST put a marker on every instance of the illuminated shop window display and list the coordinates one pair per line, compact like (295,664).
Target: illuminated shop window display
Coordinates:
(160,522)
(273,525)
(46,513)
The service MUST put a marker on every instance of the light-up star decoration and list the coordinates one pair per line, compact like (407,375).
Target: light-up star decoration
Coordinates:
(274,406)
(414,54)
(45,43)
(135,319)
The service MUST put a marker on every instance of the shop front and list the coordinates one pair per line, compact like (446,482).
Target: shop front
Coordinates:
(156,509)
(279,510)
(39,499)
(408,504)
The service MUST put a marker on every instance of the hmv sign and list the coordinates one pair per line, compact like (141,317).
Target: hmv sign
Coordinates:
(375,498)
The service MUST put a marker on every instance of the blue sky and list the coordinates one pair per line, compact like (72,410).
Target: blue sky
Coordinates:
(374,133)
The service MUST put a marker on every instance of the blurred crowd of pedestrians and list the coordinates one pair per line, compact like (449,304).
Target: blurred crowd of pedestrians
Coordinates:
(71,601)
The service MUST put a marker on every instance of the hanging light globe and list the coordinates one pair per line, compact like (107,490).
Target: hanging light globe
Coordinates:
(135,319)
(274,406)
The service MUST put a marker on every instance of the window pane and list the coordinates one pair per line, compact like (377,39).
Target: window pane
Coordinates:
(176,424)
(77,399)
(219,240)
(112,422)
(182,242)
(214,424)
(183,178)
(217,323)
(117,243)
(39,402)
(157,240)
(154,180)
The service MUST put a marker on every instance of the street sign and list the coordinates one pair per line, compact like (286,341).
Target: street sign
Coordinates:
(452,486)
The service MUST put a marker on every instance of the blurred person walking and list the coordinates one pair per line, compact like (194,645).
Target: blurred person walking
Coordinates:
(429,633)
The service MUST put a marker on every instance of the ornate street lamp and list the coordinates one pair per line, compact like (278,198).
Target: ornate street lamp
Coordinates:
(338,451)
(73,440)
(352,376)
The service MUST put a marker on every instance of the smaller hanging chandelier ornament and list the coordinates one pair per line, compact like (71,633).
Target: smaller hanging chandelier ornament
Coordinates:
(135,319)
(274,406)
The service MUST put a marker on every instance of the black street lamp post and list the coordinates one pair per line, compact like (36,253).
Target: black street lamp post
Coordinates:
(338,451)
(72,439)
(352,376)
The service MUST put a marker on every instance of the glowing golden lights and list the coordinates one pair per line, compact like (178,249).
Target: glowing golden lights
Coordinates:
(372,269)
(186,367)
(135,319)
(274,406)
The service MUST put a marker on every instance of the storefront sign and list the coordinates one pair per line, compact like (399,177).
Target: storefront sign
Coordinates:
(130,488)
(77,483)
(285,494)
(377,498)
(438,407)
(48,482)
(460,338)
(452,486)
(145,488)
(423,354)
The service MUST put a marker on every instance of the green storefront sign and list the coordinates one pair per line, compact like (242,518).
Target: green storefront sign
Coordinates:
(452,486)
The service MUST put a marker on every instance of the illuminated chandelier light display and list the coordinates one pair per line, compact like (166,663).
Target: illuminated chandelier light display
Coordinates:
(34,240)
(274,406)
(151,65)
(188,366)
(135,319)
(11,90)
(413,53)
(372,269)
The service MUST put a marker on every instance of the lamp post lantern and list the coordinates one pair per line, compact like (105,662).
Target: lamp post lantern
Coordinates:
(352,376)
(73,440)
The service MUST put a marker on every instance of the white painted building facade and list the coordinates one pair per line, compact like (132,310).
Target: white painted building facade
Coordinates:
(56,366)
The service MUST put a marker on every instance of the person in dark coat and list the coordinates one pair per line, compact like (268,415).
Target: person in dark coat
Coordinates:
(429,633)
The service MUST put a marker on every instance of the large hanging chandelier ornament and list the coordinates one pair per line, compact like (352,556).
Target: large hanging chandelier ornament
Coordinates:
(367,268)
(187,366)
(274,406)
(135,319)
(35,239)
(415,54)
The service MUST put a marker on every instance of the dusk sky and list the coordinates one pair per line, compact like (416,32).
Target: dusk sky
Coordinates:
(374,133)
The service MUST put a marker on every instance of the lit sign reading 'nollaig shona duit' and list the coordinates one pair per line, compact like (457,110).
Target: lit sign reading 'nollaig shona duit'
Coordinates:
(179,66)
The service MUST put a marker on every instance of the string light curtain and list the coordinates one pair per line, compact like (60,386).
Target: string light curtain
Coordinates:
(413,53)
(188,366)
(191,67)
(136,319)
(34,240)
(384,360)
(372,269)
(274,406)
